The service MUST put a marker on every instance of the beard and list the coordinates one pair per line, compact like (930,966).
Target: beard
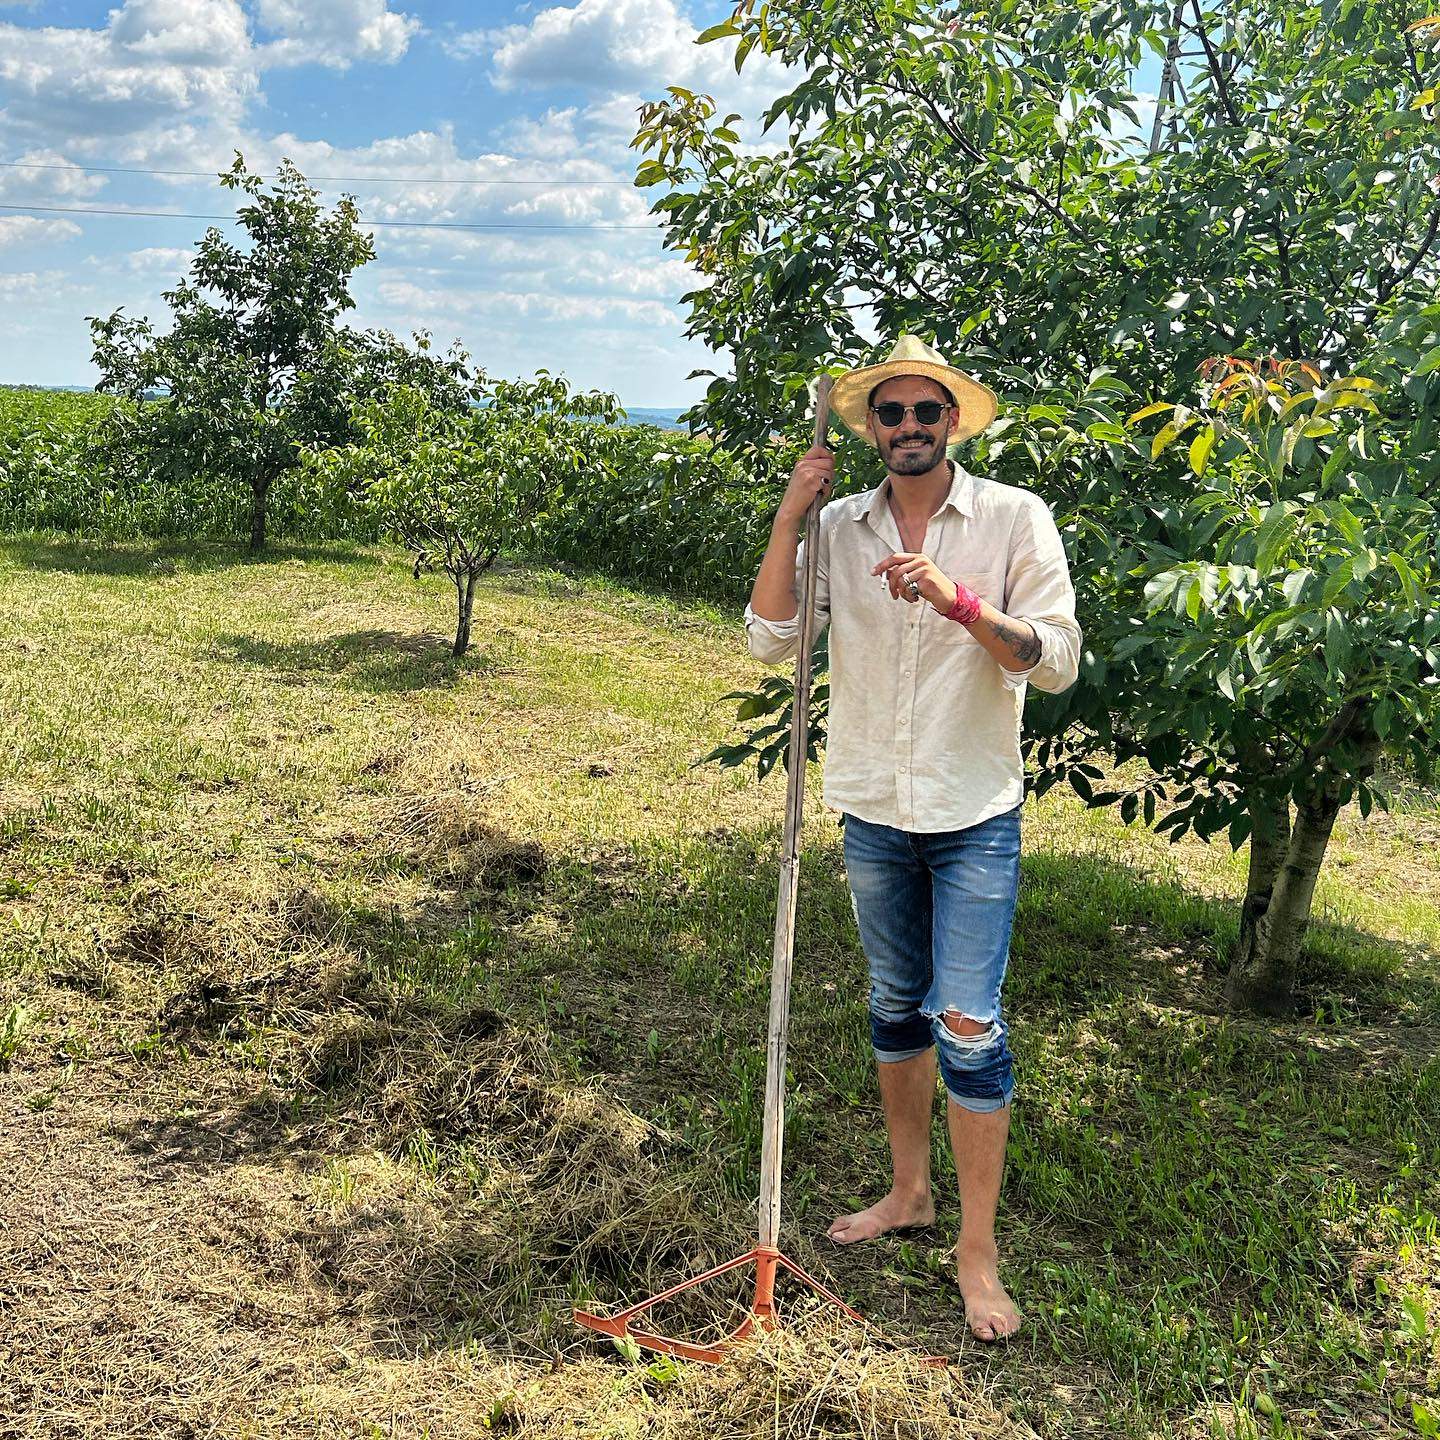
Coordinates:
(925,456)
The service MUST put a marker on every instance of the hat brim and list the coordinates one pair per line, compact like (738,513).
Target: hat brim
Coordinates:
(975,403)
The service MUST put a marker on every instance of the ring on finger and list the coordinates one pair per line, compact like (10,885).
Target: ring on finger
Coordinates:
(910,584)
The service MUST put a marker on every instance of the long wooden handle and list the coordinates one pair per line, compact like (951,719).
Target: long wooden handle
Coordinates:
(783,958)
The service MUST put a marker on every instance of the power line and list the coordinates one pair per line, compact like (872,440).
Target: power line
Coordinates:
(328,179)
(406,224)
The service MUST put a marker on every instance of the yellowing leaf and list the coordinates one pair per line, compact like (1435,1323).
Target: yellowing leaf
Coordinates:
(1200,448)
(1184,419)
(1149,410)
(1356,402)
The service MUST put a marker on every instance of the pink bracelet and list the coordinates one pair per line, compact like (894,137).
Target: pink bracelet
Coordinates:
(966,608)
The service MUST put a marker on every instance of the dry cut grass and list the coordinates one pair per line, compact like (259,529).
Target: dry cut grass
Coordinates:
(362,1011)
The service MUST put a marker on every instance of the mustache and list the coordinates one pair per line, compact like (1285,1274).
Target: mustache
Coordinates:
(903,439)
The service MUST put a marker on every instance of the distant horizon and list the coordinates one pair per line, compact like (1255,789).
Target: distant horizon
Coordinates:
(90,389)
(667,415)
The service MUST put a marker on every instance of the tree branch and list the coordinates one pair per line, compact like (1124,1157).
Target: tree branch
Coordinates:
(1216,69)
(1392,283)
(977,156)
(1338,729)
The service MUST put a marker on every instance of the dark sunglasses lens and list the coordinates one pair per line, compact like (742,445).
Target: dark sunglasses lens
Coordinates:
(891,413)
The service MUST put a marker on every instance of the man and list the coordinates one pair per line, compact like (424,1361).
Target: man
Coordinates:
(945,595)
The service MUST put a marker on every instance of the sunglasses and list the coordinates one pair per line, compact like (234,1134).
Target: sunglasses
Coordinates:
(891,413)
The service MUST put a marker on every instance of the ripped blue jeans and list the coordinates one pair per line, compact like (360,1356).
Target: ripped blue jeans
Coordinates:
(935,914)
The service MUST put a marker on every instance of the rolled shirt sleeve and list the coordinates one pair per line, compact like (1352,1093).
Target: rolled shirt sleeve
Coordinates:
(1038,590)
(775,640)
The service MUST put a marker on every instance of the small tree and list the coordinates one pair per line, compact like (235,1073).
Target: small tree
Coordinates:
(455,486)
(253,361)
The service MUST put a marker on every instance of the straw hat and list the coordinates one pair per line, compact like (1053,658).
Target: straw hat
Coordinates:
(975,403)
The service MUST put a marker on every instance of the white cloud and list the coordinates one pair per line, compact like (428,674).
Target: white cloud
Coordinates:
(171,261)
(28,230)
(181,32)
(444,185)
(443,303)
(594,45)
(621,49)
(59,178)
(29,285)
(335,32)
(155,60)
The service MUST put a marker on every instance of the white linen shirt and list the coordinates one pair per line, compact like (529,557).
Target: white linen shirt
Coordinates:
(924,728)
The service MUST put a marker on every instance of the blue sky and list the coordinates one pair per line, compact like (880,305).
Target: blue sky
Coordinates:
(430,92)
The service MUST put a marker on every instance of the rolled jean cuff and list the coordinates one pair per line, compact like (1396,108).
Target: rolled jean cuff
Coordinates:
(900,1039)
(982,1104)
(896,1057)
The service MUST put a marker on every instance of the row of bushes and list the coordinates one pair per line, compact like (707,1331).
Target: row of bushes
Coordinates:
(658,507)
(58,473)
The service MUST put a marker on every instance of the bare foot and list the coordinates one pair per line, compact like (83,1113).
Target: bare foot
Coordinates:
(894,1212)
(989,1311)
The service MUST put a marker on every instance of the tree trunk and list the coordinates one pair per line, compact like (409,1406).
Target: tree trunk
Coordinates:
(465,596)
(1269,839)
(259,490)
(1267,961)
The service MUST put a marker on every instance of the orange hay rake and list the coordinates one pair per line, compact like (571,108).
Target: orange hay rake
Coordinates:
(766,1256)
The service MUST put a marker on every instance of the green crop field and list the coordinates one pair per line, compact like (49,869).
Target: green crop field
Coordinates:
(362,1009)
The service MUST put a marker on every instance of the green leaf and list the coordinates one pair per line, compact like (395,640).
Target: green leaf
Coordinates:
(1274,537)
(1339,578)
(1408,582)
(1337,643)
(1384,717)
(718,32)
(1429,363)
(1345,521)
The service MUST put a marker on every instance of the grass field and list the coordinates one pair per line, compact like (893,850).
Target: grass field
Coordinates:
(362,1009)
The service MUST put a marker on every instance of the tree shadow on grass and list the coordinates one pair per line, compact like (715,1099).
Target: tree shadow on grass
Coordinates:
(619,1034)
(375,661)
(148,559)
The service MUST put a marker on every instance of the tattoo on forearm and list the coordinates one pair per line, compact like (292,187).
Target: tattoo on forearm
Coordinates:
(1021,640)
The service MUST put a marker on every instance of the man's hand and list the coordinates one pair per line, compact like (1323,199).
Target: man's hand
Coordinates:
(814,474)
(928,581)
